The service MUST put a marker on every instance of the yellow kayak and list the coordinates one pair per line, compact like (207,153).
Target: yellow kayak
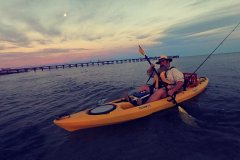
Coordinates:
(120,110)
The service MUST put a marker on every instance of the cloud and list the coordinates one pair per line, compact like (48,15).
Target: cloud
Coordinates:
(41,57)
(91,37)
(26,22)
(203,24)
(42,52)
(211,32)
(143,36)
(59,50)
(116,26)
(43,41)
(201,33)
(35,25)
(202,27)
(4,47)
(13,35)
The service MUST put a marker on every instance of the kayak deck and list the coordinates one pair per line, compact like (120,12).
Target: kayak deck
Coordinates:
(124,111)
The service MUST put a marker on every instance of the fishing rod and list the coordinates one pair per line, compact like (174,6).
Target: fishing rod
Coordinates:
(214,50)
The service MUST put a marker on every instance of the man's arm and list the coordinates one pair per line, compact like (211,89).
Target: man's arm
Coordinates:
(150,70)
(178,86)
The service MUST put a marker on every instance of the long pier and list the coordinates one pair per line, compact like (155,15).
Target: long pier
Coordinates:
(6,71)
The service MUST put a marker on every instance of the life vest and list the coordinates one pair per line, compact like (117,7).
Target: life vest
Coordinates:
(159,83)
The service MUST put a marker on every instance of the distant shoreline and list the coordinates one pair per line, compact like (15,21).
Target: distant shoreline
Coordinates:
(7,71)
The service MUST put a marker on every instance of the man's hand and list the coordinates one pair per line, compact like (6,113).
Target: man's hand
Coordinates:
(150,69)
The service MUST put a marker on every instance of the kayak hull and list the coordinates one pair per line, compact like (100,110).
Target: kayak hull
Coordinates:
(125,111)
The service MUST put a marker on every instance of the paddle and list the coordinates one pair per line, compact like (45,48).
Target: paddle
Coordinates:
(143,53)
(180,109)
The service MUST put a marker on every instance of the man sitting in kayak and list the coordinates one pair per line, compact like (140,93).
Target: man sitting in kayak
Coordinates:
(171,80)
(174,79)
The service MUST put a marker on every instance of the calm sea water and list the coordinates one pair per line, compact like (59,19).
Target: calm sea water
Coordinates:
(30,101)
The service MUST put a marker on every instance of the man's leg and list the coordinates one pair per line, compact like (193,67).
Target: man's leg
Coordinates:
(158,94)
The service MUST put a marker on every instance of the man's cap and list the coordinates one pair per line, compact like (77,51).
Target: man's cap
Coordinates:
(164,57)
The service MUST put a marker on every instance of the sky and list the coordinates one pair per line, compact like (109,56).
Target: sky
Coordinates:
(41,32)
